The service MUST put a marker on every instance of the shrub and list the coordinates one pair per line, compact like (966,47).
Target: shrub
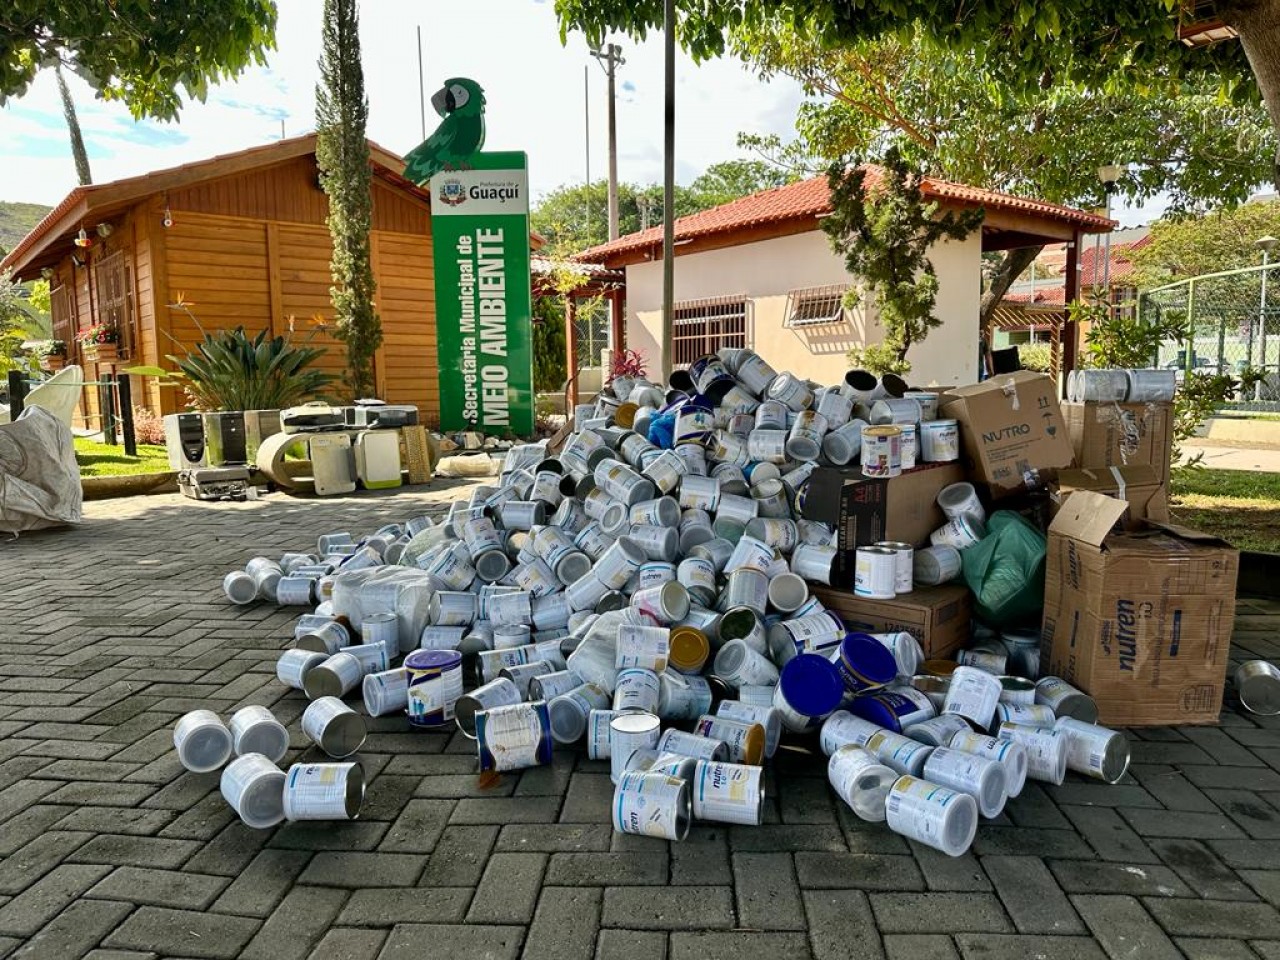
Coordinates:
(147,427)
(229,370)
(628,363)
(1035,356)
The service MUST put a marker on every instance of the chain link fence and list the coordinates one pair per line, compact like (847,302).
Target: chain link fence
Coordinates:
(1234,323)
(591,323)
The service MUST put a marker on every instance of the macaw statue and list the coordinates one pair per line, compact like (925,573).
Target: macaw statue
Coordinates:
(460,134)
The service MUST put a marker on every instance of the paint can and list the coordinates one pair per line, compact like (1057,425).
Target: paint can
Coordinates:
(813,562)
(652,805)
(933,566)
(961,500)
(973,695)
(521,675)
(881,451)
(744,740)
(844,729)
(1017,690)
(987,661)
(202,741)
(939,441)
(636,690)
(683,697)
(729,793)
(1151,386)
(861,781)
(960,532)
(804,442)
(809,690)
(1095,751)
(905,648)
(1065,700)
(813,633)
(1103,386)
(294,665)
(935,688)
(337,676)
(254,787)
(792,391)
(513,737)
(568,712)
(736,664)
(642,646)
(875,573)
(932,814)
(435,684)
(1008,754)
(334,727)
(629,732)
(293,591)
(666,604)
(254,729)
(979,777)
(1257,684)
(937,731)
(1046,750)
(865,663)
(894,708)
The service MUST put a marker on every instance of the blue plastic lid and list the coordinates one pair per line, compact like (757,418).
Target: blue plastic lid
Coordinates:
(868,658)
(812,685)
(885,709)
(432,660)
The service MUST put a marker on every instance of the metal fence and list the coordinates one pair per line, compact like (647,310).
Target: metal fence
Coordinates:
(591,324)
(1234,323)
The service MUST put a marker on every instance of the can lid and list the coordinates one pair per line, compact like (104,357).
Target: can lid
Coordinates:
(868,658)
(812,685)
(753,745)
(432,659)
(689,648)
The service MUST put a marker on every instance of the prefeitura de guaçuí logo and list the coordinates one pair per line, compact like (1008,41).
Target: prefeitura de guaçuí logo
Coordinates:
(452,193)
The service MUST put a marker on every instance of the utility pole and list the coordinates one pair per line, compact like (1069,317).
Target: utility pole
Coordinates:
(586,142)
(668,183)
(610,59)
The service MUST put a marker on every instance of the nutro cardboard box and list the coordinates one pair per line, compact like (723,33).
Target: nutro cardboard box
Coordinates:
(1140,621)
(1137,486)
(865,510)
(939,617)
(1012,429)
(1121,435)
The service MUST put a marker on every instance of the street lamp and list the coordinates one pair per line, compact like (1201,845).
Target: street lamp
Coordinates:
(1266,244)
(1110,175)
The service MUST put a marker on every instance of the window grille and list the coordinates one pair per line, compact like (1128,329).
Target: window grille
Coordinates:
(704,326)
(810,306)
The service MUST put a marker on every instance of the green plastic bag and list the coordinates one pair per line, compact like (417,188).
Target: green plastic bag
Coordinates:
(1005,570)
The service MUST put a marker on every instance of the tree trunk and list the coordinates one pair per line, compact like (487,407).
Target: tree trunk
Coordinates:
(1258,23)
(1015,261)
(73,127)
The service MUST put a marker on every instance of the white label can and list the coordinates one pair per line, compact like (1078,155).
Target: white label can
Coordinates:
(979,777)
(932,814)
(973,694)
(323,791)
(1008,754)
(629,732)
(513,737)
(598,734)
(875,573)
(905,568)
(642,646)
(903,754)
(682,697)
(843,729)
(745,741)
(1046,750)
(1095,751)
(728,793)
(652,805)
(861,781)
(940,441)
(636,690)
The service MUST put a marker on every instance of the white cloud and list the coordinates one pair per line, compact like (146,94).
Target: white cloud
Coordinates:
(534,88)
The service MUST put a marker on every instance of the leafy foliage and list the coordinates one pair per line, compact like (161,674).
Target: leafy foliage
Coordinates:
(1035,356)
(13,320)
(148,55)
(342,154)
(884,231)
(230,370)
(628,363)
(1220,240)
(878,358)
(148,427)
(548,344)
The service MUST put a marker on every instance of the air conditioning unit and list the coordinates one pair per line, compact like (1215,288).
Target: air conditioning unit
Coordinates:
(205,439)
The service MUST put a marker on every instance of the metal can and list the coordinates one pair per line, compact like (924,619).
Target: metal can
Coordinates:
(333,726)
(881,451)
(932,814)
(804,442)
(1046,750)
(629,732)
(973,694)
(861,781)
(1095,751)
(745,741)
(636,689)
(875,573)
(652,805)
(813,562)
(729,792)
(939,441)
(435,684)
(1065,700)
(986,660)
(323,791)
(1008,754)
(643,646)
(513,737)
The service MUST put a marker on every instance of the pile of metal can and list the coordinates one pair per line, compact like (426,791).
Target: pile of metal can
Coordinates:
(646,592)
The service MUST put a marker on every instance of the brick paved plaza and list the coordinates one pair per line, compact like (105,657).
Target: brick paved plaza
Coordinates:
(113,630)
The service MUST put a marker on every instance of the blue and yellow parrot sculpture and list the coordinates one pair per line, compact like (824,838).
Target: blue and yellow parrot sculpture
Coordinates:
(461,102)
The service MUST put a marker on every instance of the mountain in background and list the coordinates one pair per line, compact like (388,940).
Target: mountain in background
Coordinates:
(16,221)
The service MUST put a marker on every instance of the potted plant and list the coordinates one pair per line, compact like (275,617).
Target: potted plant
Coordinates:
(52,354)
(98,343)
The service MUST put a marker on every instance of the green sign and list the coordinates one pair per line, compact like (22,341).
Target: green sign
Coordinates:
(480,236)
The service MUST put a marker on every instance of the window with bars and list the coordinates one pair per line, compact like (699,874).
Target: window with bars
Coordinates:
(811,306)
(1124,302)
(114,303)
(704,326)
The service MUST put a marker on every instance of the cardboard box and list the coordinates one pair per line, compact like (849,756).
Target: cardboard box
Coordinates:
(1140,621)
(865,510)
(939,617)
(1012,429)
(1121,435)
(1138,486)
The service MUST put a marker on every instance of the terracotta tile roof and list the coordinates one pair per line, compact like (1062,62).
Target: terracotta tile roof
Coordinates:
(809,199)
(1044,296)
(1091,261)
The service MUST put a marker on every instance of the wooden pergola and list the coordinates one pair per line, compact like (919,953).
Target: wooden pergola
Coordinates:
(597,281)
(1021,316)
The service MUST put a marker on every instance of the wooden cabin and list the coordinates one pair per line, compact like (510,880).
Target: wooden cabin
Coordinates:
(242,239)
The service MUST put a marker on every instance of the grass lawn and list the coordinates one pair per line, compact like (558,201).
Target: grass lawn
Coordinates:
(104,460)
(1239,506)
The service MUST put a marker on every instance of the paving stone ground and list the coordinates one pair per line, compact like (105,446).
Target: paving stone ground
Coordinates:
(110,850)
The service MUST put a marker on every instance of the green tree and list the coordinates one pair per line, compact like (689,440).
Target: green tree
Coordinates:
(884,228)
(147,55)
(731,179)
(954,118)
(1220,240)
(15,324)
(548,344)
(342,153)
(78,151)
(1104,44)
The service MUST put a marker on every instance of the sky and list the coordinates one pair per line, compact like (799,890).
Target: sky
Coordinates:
(533,86)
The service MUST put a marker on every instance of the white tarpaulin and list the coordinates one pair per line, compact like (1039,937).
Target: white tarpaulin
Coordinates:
(39,477)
